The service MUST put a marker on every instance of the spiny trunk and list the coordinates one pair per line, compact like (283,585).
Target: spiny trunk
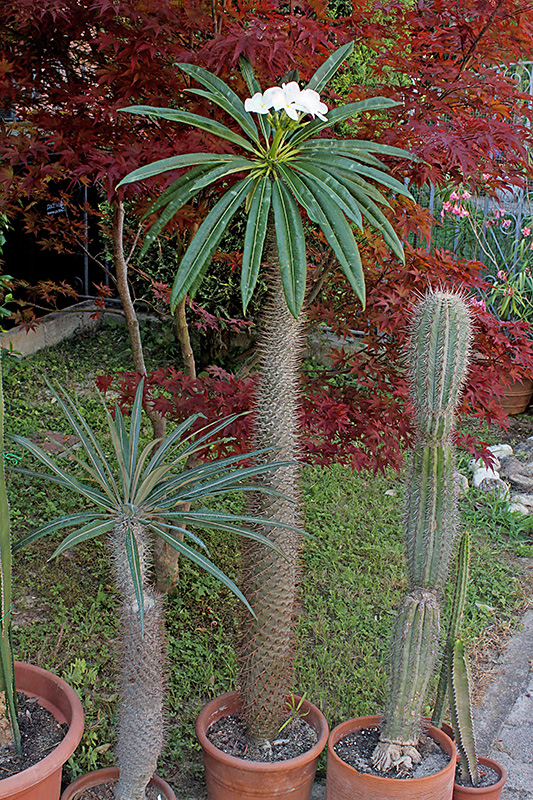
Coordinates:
(270,580)
(140,719)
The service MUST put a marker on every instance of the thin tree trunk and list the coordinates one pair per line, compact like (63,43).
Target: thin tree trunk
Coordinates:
(182,330)
(270,580)
(121,272)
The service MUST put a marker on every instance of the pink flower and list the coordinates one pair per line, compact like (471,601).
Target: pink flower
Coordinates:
(454,196)
(506,223)
(478,303)
(525,231)
(466,195)
(456,210)
(501,274)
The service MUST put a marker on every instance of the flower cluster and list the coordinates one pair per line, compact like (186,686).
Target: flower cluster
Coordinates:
(289,98)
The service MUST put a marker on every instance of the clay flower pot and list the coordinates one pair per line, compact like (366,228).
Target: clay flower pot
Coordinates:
(231,778)
(345,783)
(108,775)
(493,792)
(517,396)
(43,780)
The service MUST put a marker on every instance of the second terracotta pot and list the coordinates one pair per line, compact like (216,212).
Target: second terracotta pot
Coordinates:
(493,792)
(343,782)
(43,780)
(100,776)
(231,778)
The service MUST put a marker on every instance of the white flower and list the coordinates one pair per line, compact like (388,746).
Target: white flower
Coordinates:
(309,102)
(289,98)
(258,103)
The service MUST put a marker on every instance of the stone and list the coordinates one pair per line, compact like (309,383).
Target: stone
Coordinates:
(391,493)
(524,499)
(500,450)
(482,473)
(461,483)
(518,508)
(495,486)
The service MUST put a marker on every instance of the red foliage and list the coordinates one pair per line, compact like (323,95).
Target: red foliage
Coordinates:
(357,411)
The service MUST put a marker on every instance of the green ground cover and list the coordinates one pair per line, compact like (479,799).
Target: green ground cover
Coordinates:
(353,577)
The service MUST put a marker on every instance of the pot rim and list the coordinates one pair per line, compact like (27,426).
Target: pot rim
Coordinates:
(62,752)
(476,791)
(257,766)
(99,776)
(375,720)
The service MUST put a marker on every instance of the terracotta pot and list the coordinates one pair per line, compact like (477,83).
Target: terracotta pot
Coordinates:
(345,783)
(493,792)
(100,776)
(231,778)
(517,396)
(43,780)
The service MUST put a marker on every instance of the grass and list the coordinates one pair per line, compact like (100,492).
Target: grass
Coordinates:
(353,578)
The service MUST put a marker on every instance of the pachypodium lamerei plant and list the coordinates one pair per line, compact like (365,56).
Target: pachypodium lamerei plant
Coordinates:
(287,167)
(130,497)
(9,728)
(438,362)
(454,680)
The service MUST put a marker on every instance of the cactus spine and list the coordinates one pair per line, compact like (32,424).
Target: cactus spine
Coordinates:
(270,580)
(438,361)
(140,716)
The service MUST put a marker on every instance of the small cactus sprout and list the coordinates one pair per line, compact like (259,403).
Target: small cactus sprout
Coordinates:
(454,625)
(461,711)
(438,361)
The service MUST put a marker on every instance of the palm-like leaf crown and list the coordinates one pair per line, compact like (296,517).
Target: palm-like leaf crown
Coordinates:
(147,487)
(285,167)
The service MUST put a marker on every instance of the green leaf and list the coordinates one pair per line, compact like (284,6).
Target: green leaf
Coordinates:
(89,531)
(59,475)
(357,145)
(89,441)
(201,561)
(317,152)
(377,218)
(254,87)
(132,552)
(349,179)
(207,237)
(354,167)
(254,239)
(135,429)
(290,239)
(339,193)
(50,527)
(340,236)
(175,188)
(195,120)
(328,69)
(225,97)
(341,113)
(186,188)
(172,163)
(334,226)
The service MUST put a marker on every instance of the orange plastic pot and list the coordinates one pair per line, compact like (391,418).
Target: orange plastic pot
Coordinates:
(100,776)
(493,792)
(343,782)
(43,780)
(231,778)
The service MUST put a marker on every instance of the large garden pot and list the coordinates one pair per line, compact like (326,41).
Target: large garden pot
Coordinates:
(517,396)
(108,775)
(493,792)
(43,780)
(231,778)
(343,782)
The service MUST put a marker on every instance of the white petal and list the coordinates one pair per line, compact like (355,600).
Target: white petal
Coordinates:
(292,111)
(275,93)
(254,103)
(292,91)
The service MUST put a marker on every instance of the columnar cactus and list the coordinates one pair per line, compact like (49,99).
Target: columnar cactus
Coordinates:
(438,362)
